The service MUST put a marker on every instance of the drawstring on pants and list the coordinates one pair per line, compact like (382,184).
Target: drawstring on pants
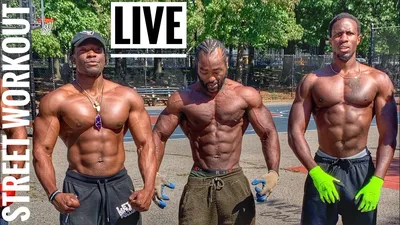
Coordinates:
(105,206)
(343,163)
(216,184)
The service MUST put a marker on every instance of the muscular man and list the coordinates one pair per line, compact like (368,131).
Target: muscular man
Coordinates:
(343,98)
(91,115)
(18,132)
(214,113)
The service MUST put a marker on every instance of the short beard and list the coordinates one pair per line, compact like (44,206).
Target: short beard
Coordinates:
(345,57)
(220,83)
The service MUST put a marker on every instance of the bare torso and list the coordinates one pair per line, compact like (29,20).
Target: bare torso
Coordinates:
(215,125)
(91,151)
(343,110)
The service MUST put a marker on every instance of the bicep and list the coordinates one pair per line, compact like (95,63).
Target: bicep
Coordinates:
(46,126)
(259,116)
(166,124)
(169,118)
(300,114)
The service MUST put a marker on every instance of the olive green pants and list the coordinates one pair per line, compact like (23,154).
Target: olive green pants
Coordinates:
(220,200)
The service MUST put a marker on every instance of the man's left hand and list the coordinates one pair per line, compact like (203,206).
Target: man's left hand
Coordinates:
(159,195)
(141,200)
(268,181)
(370,194)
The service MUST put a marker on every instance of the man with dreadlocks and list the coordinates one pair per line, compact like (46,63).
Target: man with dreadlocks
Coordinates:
(214,113)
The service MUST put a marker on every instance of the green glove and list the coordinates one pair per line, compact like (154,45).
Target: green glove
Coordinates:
(371,193)
(324,184)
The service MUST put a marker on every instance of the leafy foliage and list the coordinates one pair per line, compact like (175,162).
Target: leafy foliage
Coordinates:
(238,22)
(45,45)
(258,23)
(69,17)
(314,17)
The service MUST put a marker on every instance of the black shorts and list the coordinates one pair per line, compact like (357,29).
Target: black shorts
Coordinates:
(353,175)
(103,200)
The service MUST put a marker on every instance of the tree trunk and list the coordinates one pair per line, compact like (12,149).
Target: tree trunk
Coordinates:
(157,67)
(193,68)
(291,48)
(321,46)
(231,75)
(287,66)
(49,67)
(124,68)
(65,69)
(250,70)
(117,66)
(71,74)
(245,64)
(56,66)
(239,64)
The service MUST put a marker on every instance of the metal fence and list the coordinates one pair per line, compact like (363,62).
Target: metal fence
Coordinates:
(270,72)
(385,51)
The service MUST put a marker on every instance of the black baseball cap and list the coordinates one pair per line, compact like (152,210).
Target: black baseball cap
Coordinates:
(83,36)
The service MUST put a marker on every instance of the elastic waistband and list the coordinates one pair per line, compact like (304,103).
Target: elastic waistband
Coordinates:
(366,156)
(87,179)
(206,180)
(211,171)
(361,154)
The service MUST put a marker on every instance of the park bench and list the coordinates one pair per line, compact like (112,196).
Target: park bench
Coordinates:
(154,95)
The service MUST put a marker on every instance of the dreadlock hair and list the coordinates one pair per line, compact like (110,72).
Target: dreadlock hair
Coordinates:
(344,16)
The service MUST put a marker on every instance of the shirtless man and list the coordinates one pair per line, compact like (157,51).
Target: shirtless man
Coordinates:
(11,133)
(91,115)
(343,98)
(214,113)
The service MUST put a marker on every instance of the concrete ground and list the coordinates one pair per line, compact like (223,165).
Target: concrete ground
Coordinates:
(283,206)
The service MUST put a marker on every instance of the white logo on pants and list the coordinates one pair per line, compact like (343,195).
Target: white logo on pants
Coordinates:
(125,210)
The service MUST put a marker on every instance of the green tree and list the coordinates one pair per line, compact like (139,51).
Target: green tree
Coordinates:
(238,23)
(314,17)
(69,17)
(242,24)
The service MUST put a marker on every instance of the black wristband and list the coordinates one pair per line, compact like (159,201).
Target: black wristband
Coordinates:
(53,195)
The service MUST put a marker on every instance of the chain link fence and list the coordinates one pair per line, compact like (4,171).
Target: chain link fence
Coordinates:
(385,51)
(272,73)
